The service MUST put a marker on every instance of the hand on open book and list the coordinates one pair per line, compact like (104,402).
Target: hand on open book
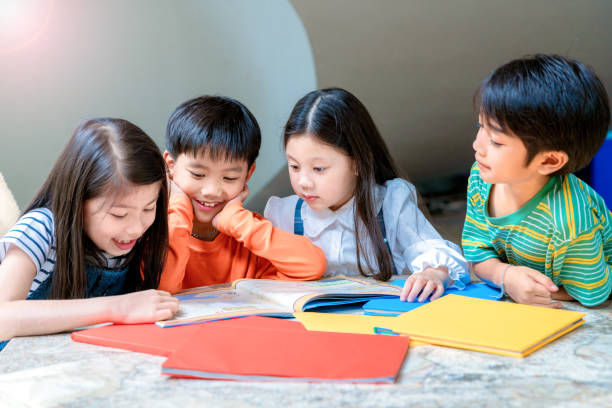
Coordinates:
(147,306)
(422,285)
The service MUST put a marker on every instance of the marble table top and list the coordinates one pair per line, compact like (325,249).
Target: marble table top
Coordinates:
(573,371)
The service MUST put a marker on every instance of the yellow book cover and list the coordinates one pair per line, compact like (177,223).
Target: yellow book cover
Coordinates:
(342,323)
(346,323)
(505,328)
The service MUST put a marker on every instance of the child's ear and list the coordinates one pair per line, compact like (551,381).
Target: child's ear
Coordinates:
(552,161)
(250,172)
(169,163)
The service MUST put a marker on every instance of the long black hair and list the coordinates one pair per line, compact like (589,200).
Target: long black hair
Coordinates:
(103,156)
(336,117)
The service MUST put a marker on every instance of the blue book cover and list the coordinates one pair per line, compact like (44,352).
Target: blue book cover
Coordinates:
(395,307)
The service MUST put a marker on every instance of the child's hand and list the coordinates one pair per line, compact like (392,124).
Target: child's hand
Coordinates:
(430,281)
(240,197)
(530,287)
(562,294)
(143,307)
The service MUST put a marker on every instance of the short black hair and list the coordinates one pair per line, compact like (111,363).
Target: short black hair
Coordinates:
(220,125)
(551,103)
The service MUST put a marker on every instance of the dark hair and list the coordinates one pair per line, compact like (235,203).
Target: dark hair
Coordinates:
(339,119)
(103,156)
(220,125)
(551,103)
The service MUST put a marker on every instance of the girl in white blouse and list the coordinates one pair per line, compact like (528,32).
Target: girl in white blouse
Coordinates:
(341,169)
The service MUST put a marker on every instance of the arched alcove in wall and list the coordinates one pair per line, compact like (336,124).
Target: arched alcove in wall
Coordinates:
(64,61)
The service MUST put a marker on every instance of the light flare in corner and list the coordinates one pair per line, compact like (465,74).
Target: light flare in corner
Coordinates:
(22,22)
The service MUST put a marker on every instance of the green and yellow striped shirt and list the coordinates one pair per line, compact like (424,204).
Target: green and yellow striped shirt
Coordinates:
(564,231)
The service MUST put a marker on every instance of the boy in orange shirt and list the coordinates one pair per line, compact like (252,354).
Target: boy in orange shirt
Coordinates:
(211,146)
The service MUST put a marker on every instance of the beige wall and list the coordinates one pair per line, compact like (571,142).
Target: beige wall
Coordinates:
(416,63)
(66,60)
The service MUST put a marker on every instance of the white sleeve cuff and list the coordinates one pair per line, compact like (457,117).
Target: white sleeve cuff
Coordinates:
(447,256)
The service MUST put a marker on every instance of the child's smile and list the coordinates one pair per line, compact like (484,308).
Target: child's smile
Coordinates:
(114,223)
(208,182)
(125,245)
(206,206)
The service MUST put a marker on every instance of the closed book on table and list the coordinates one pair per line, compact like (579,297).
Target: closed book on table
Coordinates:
(254,354)
(151,339)
(505,328)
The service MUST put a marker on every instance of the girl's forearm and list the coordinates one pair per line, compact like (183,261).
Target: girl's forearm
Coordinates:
(36,317)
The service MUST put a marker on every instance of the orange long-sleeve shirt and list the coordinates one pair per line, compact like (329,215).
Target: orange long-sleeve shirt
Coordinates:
(248,246)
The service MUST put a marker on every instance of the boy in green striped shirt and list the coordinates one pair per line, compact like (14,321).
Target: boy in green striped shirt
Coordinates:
(532,228)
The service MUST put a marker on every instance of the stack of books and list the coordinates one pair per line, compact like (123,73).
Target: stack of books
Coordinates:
(238,343)
(237,339)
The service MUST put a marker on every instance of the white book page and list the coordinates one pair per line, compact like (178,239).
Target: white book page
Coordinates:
(287,293)
(218,304)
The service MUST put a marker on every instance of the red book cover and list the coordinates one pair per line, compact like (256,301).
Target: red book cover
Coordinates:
(256,354)
(152,339)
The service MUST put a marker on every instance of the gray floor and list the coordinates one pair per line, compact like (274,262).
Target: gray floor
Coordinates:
(447,216)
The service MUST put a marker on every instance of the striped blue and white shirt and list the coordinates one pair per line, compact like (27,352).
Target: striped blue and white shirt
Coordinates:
(34,234)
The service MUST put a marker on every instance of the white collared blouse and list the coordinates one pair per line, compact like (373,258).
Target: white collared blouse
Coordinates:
(414,242)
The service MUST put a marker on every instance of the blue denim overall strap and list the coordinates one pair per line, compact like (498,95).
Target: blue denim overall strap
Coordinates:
(100,282)
(105,282)
(298,227)
(381,221)
(298,223)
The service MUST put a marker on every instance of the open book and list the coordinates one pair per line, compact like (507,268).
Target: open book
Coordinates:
(268,297)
